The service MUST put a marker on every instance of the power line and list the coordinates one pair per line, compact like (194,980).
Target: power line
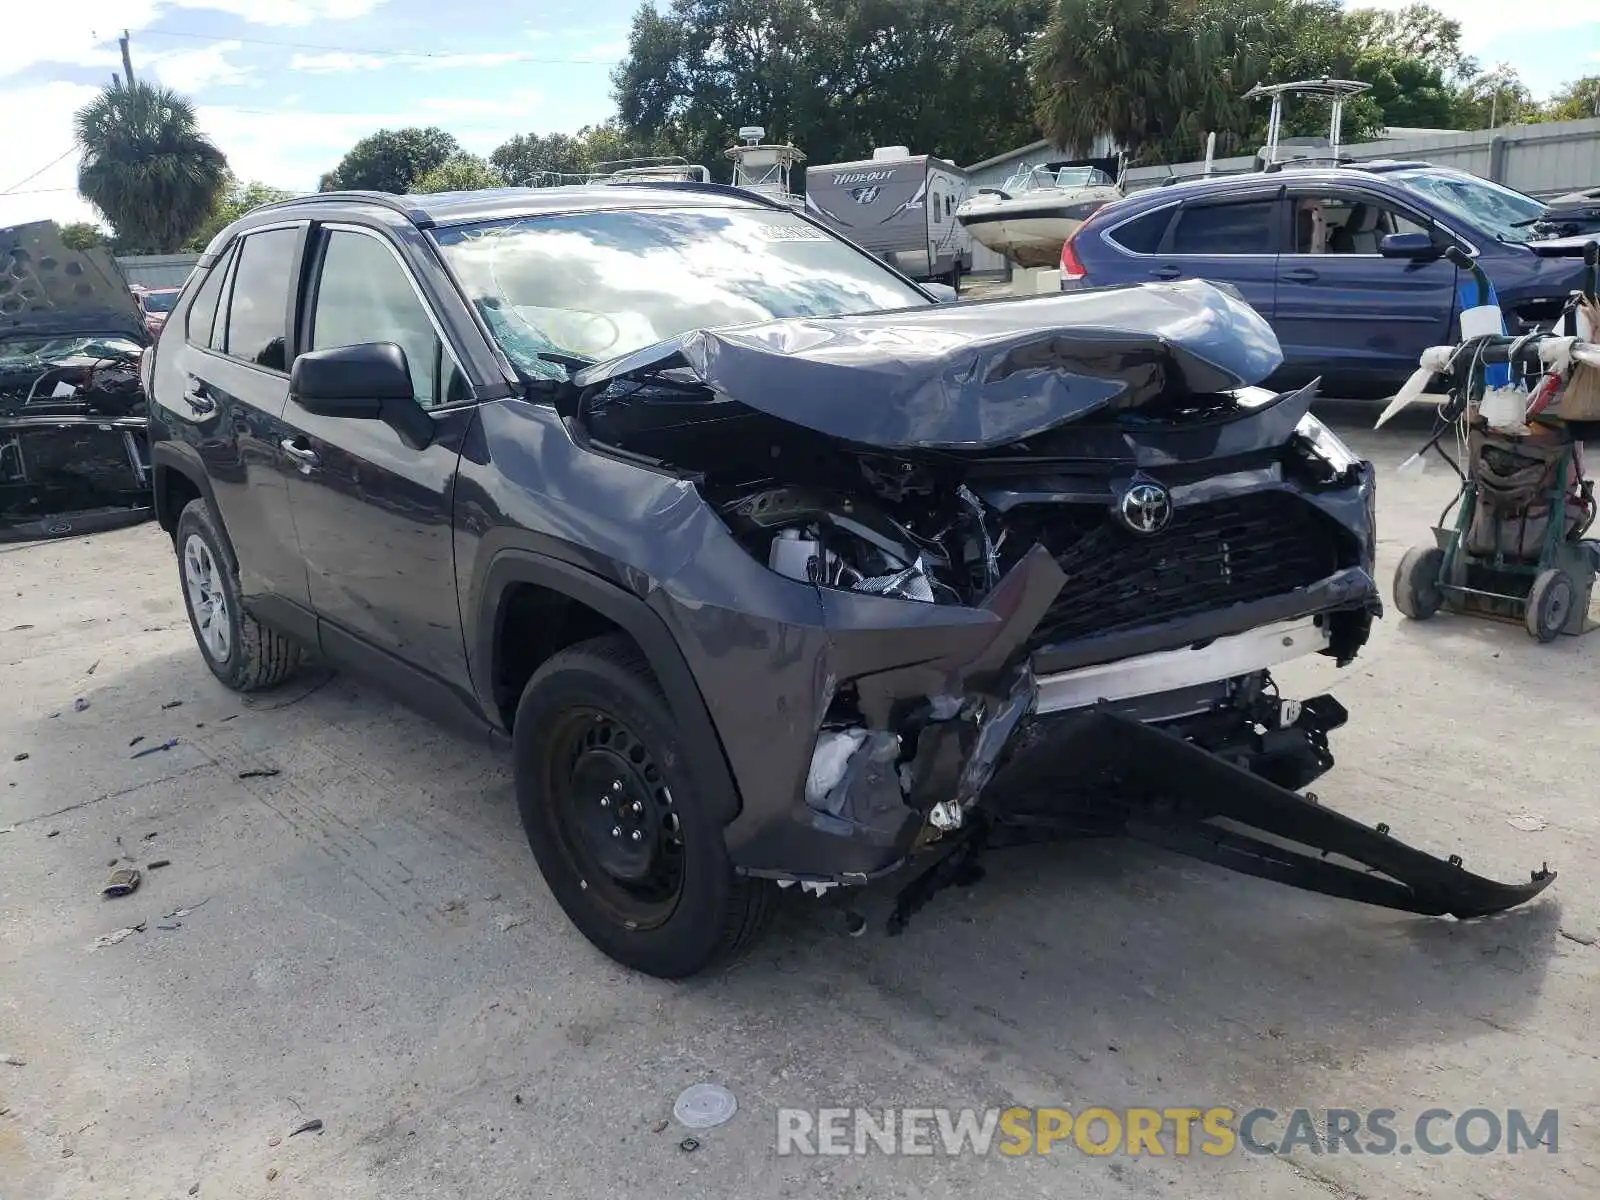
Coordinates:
(27,178)
(370,51)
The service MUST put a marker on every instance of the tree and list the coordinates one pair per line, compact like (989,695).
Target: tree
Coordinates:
(1159,75)
(147,166)
(238,199)
(81,235)
(839,77)
(463,173)
(1417,31)
(391,160)
(533,160)
(1494,98)
(1576,100)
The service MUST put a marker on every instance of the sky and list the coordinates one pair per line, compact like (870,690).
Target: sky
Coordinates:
(285,87)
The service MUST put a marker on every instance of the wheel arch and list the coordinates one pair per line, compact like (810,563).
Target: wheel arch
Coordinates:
(513,570)
(178,479)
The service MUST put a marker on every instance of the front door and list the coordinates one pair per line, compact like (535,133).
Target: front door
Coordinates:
(1233,241)
(1344,310)
(373,514)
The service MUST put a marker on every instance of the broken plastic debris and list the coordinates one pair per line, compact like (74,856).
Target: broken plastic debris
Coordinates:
(111,939)
(1527,822)
(274,1140)
(194,1189)
(172,704)
(705,1105)
(312,1126)
(828,761)
(689,1145)
(259,773)
(272,1173)
(123,882)
(80,705)
(159,863)
(23,757)
(183,912)
(137,740)
(166,745)
(14,1060)
(816,887)
(510,921)
(1413,467)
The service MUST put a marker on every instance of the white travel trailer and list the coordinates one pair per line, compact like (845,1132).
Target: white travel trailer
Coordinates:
(899,206)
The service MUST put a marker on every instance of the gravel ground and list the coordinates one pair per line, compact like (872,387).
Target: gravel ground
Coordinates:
(368,943)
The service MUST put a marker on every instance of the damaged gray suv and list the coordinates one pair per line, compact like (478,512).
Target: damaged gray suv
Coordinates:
(774,569)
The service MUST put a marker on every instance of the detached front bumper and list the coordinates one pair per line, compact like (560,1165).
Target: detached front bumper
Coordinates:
(965,735)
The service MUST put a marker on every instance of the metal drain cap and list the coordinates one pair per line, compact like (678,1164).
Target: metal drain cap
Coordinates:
(705,1105)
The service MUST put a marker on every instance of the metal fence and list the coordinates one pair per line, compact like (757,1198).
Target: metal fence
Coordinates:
(1542,160)
(157,270)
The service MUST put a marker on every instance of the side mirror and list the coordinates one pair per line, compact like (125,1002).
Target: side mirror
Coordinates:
(942,293)
(1417,247)
(370,381)
(351,381)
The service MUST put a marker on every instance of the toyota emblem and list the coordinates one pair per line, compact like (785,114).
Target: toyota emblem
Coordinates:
(1146,508)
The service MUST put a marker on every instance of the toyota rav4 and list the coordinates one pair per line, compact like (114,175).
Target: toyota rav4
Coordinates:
(773,568)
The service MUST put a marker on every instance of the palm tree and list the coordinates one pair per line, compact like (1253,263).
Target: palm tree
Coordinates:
(147,166)
(1156,75)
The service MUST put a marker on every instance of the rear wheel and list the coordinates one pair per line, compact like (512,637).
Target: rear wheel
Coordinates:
(243,653)
(1550,602)
(629,848)
(1417,593)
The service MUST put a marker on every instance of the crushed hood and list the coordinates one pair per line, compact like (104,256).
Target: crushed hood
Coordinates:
(47,289)
(975,375)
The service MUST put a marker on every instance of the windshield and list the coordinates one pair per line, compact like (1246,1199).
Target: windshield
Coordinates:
(158,302)
(1489,206)
(21,353)
(598,284)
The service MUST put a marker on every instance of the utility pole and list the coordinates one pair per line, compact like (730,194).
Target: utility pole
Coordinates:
(127,59)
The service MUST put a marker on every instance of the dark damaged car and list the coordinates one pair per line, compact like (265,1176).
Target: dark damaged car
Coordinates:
(773,570)
(73,451)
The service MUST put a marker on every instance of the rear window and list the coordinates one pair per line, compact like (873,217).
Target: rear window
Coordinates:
(1226,229)
(203,312)
(258,309)
(1142,235)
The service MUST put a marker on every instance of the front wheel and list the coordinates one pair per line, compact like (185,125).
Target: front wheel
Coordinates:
(1417,593)
(613,814)
(243,653)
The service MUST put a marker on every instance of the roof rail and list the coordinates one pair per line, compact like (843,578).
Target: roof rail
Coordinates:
(706,189)
(383,199)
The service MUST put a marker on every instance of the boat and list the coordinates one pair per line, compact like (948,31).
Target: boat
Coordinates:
(1029,217)
(763,167)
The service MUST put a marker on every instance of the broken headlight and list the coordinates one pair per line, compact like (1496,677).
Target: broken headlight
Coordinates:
(1324,450)
(837,542)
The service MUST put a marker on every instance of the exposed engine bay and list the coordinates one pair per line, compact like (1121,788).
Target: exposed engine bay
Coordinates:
(74,456)
(1114,535)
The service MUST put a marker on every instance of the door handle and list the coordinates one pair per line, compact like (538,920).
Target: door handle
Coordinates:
(304,455)
(1301,275)
(195,396)
(1165,273)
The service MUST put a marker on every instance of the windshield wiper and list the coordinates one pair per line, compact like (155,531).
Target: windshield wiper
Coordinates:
(572,362)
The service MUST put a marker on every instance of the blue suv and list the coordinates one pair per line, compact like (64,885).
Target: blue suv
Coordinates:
(1345,262)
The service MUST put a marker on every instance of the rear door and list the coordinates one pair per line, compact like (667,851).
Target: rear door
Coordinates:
(1345,311)
(232,383)
(372,512)
(1231,239)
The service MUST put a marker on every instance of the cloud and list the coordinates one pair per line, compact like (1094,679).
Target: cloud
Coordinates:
(495,107)
(194,70)
(338,60)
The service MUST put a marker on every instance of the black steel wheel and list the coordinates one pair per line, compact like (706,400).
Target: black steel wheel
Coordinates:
(627,840)
(1550,602)
(1417,593)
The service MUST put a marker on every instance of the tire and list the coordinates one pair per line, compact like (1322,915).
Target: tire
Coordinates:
(241,652)
(1550,602)
(1417,593)
(598,759)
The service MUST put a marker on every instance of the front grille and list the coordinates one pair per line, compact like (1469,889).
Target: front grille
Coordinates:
(1212,555)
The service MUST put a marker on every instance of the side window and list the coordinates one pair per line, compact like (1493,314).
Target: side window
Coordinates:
(365,295)
(938,209)
(258,306)
(203,311)
(1142,235)
(1351,224)
(1226,229)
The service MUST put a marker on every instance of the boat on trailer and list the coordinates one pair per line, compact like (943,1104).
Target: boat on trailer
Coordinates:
(1033,213)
